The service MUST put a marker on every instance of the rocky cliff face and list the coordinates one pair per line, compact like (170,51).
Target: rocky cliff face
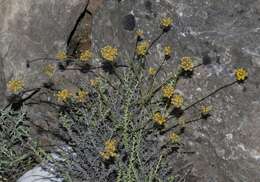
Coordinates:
(225,33)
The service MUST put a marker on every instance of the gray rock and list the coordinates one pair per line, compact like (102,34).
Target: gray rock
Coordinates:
(38,174)
(227,34)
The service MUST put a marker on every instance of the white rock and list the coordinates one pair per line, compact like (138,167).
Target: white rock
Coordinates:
(37,174)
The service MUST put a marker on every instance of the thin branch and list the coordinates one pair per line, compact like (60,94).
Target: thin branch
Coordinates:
(211,94)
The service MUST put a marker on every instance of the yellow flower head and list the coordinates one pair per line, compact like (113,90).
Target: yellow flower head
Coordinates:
(175,138)
(151,71)
(61,56)
(94,82)
(139,33)
(177,100)
(63,95)
(85,56)
(166,22)
(142,48)
(49,70)
(241,74)
(15,86)
(167,91)
(109,53)
(205,110)
(110,150)
(159,119)
(167,51)
(81,96)
(186,64)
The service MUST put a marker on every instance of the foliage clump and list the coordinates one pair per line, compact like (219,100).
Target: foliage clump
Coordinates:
(125,122)
(16,156)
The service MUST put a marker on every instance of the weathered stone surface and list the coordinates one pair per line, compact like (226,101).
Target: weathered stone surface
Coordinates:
(225,33)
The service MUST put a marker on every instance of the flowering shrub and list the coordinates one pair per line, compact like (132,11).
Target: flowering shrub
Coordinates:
(122,125)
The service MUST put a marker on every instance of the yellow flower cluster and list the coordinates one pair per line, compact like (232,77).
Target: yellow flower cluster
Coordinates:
(177,100)
(61,56)
(175,138)
(49,70)
(142,48)
(109,53)
(139,33)
(15,86)
(110,149)
(186,64)
(205,110)
(63,95)
(159,119)
(167,91)
(167,51)
(152,71)
(166,22)
(241,74)
(85,56)
(81,96)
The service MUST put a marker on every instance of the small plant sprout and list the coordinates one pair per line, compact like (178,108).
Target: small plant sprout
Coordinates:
(166,23)
(15,86)
(109,53)
(186,64)
(61,56)
(241,74)
(177,101)
(174,138)
(142,48)
(110,150)
(63,95)
(168,91)
(85,56)
(81,96)
(151,71)
(49,70)
(159,119)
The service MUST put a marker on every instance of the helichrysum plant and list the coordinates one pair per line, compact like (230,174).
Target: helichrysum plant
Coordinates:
(122,124)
